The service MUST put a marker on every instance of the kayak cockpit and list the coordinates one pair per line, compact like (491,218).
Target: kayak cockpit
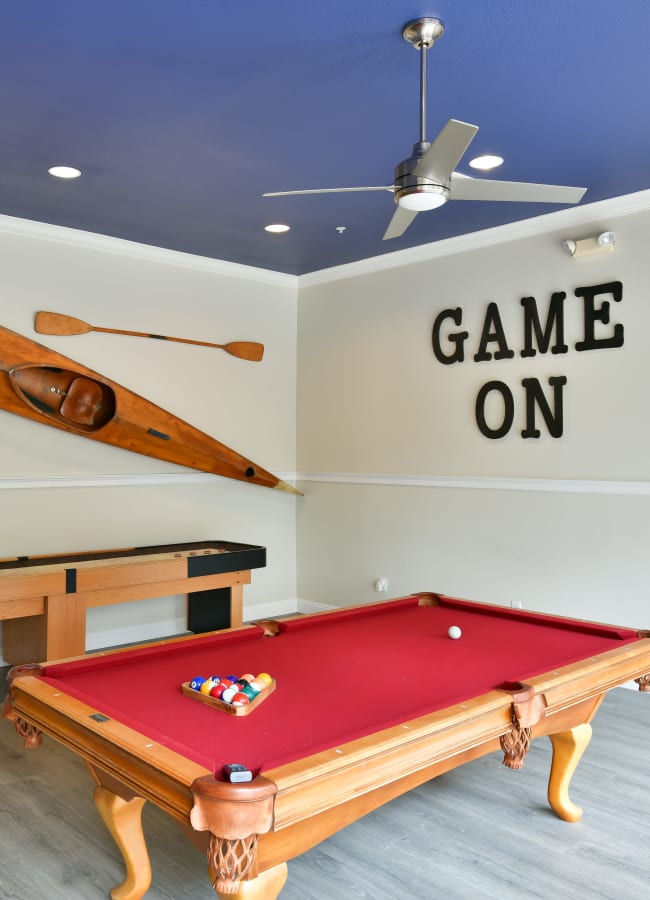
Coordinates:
(67,397)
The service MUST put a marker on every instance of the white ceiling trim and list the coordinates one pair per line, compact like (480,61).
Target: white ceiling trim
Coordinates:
(588,214)
(106,244)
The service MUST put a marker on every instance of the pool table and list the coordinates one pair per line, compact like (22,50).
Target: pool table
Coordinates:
(370,701)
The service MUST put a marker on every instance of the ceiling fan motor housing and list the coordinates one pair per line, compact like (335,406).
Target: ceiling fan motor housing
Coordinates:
(407,184)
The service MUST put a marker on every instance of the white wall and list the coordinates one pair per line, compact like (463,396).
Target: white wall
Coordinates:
(569,532)
(398,480)
(248,406)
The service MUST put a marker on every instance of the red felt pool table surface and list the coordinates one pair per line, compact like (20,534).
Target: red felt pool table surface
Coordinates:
(340,676)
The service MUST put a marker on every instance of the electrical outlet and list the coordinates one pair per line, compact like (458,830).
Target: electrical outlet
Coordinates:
(381,585)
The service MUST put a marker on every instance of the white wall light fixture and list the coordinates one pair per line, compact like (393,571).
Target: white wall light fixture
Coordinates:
(605,242)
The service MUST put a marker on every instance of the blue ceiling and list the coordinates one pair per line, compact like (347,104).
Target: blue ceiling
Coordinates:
(182,113)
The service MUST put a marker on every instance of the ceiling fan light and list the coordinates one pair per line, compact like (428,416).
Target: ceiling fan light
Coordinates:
(424,197)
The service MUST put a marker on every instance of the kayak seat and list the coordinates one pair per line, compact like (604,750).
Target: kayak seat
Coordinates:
(83,401)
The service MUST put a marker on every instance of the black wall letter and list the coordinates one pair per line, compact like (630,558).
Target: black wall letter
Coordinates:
(591,314)
(458,355)
(493,321)
(534,392)
(554,319)
(508,409)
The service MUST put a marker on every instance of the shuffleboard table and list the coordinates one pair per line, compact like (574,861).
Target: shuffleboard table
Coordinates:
(43,599)
(369,702)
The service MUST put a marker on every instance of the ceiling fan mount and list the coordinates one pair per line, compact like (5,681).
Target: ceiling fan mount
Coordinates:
(423,32)
(428,179)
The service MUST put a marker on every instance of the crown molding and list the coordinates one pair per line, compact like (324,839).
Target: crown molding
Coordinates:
(107,244)
(574,217)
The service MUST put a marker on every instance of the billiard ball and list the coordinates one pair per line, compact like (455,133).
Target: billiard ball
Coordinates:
(196,683)
(229,693)
(217,690)
(265,677)
(240,699)
(454,632)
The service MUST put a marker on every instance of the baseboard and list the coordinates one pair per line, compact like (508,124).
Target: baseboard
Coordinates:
(163,628)
(269,610)
(308,606)
(134,634)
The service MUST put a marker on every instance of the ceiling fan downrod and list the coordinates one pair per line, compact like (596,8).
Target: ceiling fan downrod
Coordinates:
(422,34)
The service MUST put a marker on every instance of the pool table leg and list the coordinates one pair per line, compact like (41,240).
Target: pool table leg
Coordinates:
(568,747)
(266,886)
(123,820)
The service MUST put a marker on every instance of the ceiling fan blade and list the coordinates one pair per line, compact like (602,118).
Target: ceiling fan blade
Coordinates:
(387,187)
(401,220)
(463,188)
(445,152)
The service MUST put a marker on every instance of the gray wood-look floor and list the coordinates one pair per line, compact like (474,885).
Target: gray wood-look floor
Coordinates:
(481,832)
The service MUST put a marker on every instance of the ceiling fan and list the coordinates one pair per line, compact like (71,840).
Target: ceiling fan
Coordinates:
(427,180)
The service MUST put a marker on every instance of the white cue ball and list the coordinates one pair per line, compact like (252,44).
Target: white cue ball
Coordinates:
(454,632)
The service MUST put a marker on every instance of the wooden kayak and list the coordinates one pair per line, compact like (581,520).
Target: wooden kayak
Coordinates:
(41,384)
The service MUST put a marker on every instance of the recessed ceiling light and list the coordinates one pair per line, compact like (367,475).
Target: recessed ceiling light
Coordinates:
(64,171)
(486,162)
(277,228)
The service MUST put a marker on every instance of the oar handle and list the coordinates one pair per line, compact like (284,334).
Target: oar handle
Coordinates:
(250,350)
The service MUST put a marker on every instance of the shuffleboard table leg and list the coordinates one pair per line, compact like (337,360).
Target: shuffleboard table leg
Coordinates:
(123,820)
(568,747)
(266,886)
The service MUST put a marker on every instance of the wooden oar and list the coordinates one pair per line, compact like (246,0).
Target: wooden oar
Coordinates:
(56,323)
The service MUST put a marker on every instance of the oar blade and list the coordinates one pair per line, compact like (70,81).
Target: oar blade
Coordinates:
(54,323)
(249,350)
